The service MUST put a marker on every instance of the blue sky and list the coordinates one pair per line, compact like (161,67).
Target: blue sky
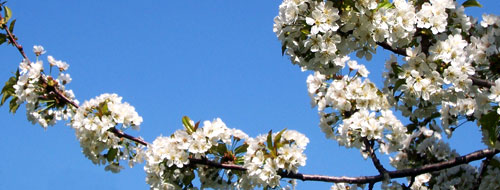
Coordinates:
(203,59)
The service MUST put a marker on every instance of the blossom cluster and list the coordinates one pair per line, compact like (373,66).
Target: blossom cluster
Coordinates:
(167,158)
(268,154)
(35,89)
(95,122)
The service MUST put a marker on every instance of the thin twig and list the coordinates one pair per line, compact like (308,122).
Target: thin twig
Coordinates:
(130,137)
(13,40)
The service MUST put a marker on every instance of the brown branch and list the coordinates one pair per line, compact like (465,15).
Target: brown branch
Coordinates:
(12,40)
(398,51)
(370,186)
(477,155)
(376,162)
(481,82)
(61,95)
(130,137)
(485,164)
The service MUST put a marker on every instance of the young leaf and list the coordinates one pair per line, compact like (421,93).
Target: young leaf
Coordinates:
(489,123)
(11,26)
(239,160)
(396,68)
(384,4)
(8,13)
(270,140)
(398,84)
(241,149)
(8,90)
(5,96)
(111,154)
(187,124)
(278,137)
(3,38)
(220,149)
(13,106)
(283,49)
(471,3)
(187,179)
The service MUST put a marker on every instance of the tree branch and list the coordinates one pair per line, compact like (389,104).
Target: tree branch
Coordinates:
(376,162)
(481,82)
(485,164)
(398,51)
(477,155)
(12,40)
(130,137)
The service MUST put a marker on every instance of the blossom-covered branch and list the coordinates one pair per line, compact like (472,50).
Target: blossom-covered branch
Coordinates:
(444,76)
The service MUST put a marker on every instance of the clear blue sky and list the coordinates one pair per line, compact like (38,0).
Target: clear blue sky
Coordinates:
(204,59)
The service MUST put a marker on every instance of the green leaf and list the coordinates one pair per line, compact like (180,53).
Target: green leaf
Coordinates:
(398,84)
(270,140)
(220,149)
(489,123)
(305,31)
(5,96)
(8,13)
(495,163)
(283,49)
(187,179)
(239,160)
(13,106)
(3,38)
(396,69)
(104,109)
(112,152)
(278,136)
(8,90)
(384,4)
(11,26)
(187,124)
(411,127)
(241,149)
(471,3)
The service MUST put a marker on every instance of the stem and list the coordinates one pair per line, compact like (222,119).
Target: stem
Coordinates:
(13,40)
